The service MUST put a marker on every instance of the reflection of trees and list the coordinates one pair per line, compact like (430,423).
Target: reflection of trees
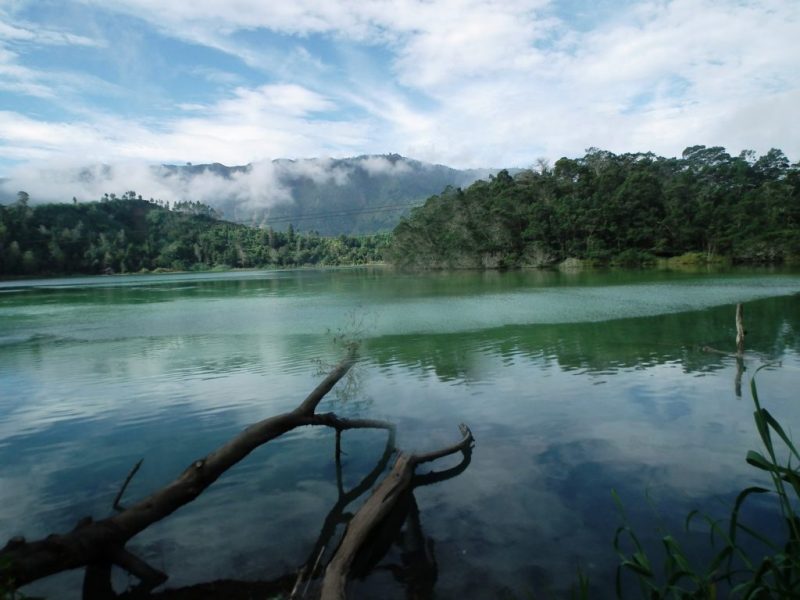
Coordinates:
(603,346)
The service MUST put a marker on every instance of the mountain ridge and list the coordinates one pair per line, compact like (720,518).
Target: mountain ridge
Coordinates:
(353,195)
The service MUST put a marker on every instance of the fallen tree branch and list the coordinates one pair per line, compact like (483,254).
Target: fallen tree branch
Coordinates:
(97,542)
(377,508)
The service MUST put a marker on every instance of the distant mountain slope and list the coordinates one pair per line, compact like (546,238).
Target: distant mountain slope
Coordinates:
(364,194)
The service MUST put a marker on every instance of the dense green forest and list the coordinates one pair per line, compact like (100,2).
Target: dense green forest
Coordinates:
(606,208)
(129,234)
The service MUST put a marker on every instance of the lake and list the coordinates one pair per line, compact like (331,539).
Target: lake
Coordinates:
(573,384)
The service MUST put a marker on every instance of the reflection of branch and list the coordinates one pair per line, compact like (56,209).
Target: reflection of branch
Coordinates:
(466,443)
(337,459)
(336,514)
(394,490)
(418,571)
(739,355)
(737,380)
(439,476)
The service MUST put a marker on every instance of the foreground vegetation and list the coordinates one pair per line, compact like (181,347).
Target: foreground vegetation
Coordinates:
(746,563)
(129,234)
(626,209)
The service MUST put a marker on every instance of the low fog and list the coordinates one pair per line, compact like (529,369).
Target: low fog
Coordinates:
(258,185)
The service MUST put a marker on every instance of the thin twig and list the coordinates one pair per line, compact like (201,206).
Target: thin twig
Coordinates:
(466,443)
(116,505)
(313,570)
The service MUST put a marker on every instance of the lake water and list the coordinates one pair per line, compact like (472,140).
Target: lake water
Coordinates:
(573,384)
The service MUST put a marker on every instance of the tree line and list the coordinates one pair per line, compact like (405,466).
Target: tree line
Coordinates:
(129,234)
(607,208)
(626,209)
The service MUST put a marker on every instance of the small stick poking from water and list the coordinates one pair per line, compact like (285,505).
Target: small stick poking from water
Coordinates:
(737,383)
(740,329)
(117,506)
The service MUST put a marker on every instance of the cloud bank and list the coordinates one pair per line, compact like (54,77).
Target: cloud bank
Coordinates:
(460,82)
(258,185)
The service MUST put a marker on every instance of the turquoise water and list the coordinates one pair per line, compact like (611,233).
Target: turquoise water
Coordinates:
(573,384)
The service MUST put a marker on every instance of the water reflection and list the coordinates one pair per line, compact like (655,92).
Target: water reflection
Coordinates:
(603,347)
(573,384)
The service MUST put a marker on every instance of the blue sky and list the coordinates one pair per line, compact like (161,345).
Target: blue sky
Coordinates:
(468,83)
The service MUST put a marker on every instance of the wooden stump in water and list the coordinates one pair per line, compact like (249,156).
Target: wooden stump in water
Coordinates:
(739,329)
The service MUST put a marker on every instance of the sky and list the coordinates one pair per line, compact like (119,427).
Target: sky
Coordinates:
(466,83)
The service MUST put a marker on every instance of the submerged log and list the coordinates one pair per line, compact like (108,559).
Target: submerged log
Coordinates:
(102,542)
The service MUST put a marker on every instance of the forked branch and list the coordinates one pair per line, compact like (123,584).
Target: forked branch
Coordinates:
(377,507)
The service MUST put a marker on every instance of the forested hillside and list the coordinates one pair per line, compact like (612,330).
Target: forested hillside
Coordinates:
(365,200)
(624,209)
(362,194)
(130,234)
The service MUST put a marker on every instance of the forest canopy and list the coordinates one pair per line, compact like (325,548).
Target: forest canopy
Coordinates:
(129,234)
(608,208)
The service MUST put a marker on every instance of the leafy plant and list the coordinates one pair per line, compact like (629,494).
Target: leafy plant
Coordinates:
(732,571)
(7,587)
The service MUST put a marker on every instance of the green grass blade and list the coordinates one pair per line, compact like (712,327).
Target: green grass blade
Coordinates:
(759,462)
(777,428)
(737,506)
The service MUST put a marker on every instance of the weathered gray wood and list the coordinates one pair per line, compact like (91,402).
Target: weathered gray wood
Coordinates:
(740,329)
(377,507)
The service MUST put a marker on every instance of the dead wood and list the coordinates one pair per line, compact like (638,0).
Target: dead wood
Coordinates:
(98,545)
(337,516)
(116,504)
(740,329)
(393,490)
(102,542)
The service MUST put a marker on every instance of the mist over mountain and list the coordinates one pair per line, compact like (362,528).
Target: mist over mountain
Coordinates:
(361,194)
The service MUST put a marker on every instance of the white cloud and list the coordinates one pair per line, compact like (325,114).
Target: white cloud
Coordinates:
(47,84)
(380,165)
(468,83)
(261,184)
(247,125)
(318,170)
(35,34)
